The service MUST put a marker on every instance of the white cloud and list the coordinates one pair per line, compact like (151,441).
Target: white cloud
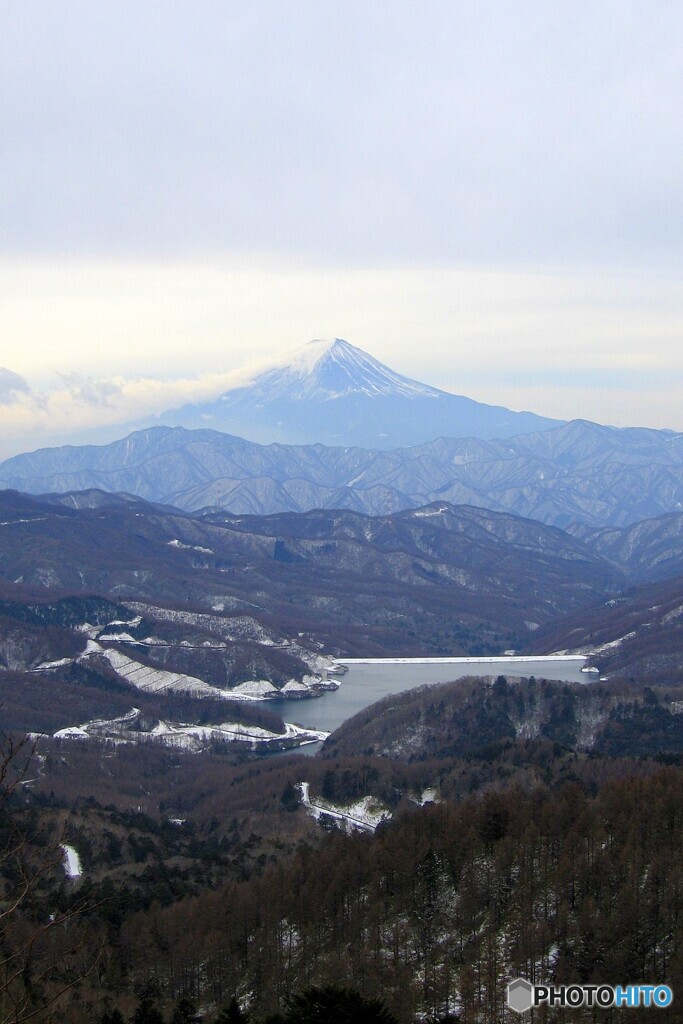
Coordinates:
(449,186)
(78,406)
(107,342)
(11,385)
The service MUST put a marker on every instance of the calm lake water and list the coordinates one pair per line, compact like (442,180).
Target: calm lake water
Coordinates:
(367,682)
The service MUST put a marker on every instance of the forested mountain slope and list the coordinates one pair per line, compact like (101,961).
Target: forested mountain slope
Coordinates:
(637,634)
(464,718)
(648,550)
(242,894)
(440,580)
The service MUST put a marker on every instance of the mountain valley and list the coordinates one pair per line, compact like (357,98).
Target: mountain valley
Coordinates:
(168,599)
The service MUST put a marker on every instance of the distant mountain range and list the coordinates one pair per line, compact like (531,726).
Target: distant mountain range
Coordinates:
(557,473)
(334,393)
(579,472)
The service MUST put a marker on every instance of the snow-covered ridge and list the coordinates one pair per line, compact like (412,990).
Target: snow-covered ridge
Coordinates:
(237,628)
(198,737)
(152,680)
(159,680)
(428,513)
(193,738)
(615,643)
(155,679)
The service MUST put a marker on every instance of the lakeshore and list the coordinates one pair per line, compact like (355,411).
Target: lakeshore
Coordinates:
(363,681)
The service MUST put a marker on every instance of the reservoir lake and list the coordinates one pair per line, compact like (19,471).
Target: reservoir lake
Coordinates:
(369,680)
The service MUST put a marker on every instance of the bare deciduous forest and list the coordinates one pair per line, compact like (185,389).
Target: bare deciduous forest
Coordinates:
(207,888)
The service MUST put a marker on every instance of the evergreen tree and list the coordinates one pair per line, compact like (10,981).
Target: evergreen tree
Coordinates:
(113,1017)
(185,1012)
(232,1014)
(147,1013)
(332,1005)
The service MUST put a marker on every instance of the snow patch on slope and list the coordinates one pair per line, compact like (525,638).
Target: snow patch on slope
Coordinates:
(152,680)
(72,862)
(363,815)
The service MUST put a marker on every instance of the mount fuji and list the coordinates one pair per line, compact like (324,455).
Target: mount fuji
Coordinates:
(334,393)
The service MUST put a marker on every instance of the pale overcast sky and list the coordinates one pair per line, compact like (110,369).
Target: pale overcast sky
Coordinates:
(485,195)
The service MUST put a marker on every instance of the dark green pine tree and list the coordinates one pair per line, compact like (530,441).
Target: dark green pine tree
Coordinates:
(112,1017)
(232,1014)
(185,1012)
(331,1005)
(147,1013)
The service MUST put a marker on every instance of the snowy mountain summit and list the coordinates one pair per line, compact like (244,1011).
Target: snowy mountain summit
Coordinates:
(331,369)
(334,393)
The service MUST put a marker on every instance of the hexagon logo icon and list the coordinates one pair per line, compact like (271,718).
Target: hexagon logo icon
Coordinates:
(520,995)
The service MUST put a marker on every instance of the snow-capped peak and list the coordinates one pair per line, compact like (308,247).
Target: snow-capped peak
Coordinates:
(304,359)
(330,392)
(332,368)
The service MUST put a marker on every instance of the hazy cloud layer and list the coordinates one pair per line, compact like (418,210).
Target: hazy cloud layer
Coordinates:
(80,408)
(484,195)
(104,342)
(12,385)
(435,132)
